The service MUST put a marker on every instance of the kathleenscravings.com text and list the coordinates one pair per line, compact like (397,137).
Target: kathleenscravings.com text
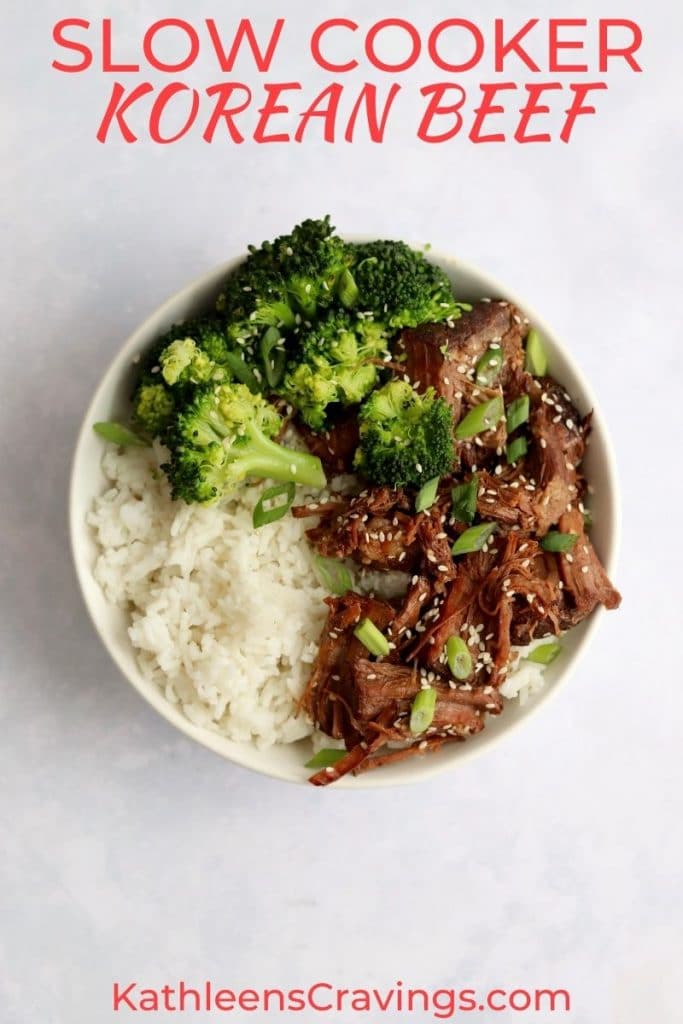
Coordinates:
(324,997)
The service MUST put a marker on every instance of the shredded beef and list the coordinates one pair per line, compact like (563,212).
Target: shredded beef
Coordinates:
(585,581)
(336,446)
(511,592)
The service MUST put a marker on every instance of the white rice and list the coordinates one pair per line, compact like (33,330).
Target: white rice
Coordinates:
(225,619)
(525,678)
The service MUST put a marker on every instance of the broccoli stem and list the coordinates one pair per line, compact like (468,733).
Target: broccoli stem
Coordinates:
(264,458)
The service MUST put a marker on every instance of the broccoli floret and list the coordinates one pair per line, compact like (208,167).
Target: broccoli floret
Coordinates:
(295,275)
(311,260)
(254,297)
(224,435)
(332,365)
(405,438)
(208,332)
(183,362)
(153,406)
(398,285)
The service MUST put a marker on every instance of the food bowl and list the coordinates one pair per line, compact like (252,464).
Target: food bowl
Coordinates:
(286,762)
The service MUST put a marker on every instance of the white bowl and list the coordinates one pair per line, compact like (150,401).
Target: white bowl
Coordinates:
(287,761)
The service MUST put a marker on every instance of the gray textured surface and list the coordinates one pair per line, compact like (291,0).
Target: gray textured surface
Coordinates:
(126,851)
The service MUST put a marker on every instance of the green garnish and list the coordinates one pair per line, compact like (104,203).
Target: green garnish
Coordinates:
(367,632)
(241,371)
(426,496)
(517,413)
(545,653)
(118,434)
(473,539)
(459,657)
(262,515)
(587,519)
(480,418)
(556,541)
(422,711)
(516,450)
(333,575)
(464,498)
(325,758)
(488,367)
(536,361)
(273,356)
(347,289)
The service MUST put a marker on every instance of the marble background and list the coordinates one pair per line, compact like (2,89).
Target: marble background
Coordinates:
(127,852)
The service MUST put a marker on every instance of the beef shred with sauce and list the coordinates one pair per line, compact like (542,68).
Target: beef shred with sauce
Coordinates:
(519,587)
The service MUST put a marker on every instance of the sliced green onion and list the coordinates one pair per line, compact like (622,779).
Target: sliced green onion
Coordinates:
(556,541)
(459,657)
(481,417)
(464,498)
(118,434)
(333,575)
(516,450)
(273,356)
(426,496)
(536,361)
(545,653)
(262,515)
(473,539)
(488,367)
(422,711)
(326,758)
(517,413)
(347,289)
(587,519)
(239,369)
(367,632)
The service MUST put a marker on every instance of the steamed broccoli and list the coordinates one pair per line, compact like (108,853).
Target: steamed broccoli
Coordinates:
(282,281)
(222,435)
(153,406)
(405,438)
(398,285)
(332,365)
(226,345)
(183,362)
(310,260)
(254,297)
(195,351)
